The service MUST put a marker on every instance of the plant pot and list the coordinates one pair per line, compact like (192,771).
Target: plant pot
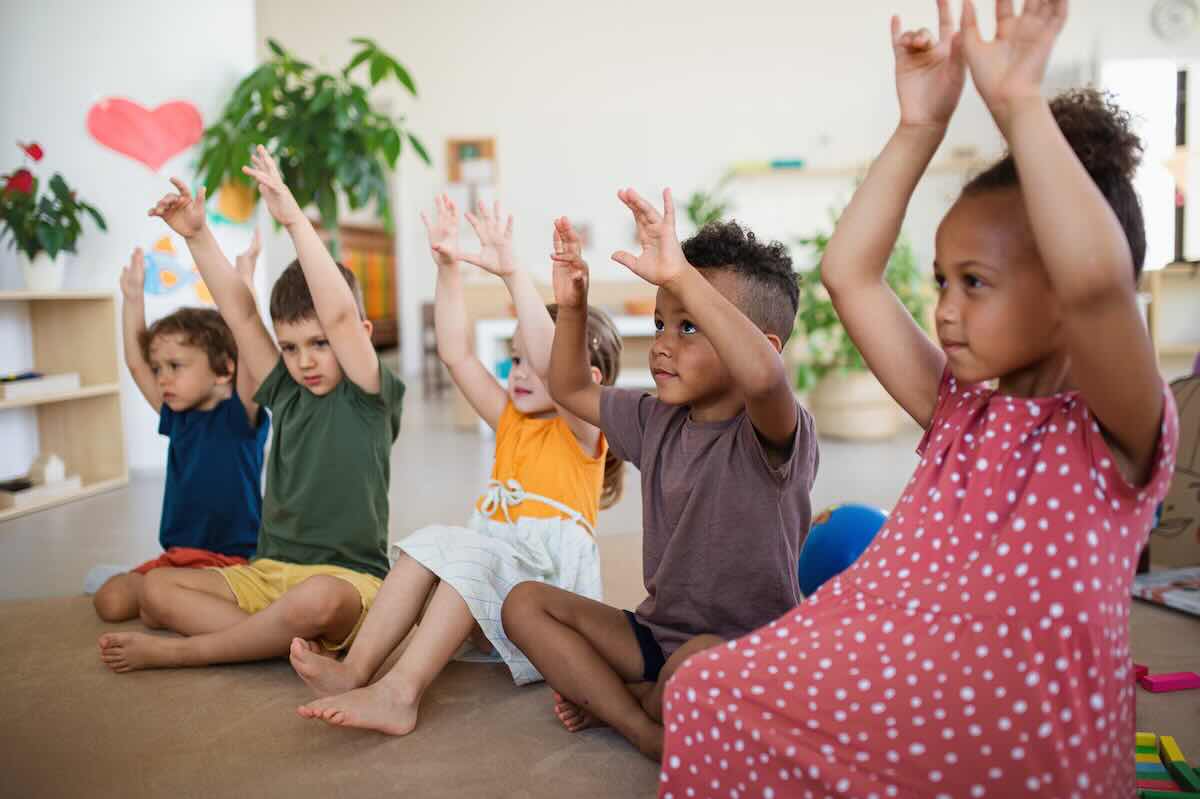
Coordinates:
(854,406)
(43,273)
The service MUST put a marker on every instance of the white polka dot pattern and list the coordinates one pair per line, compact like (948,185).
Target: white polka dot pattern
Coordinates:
(978,648)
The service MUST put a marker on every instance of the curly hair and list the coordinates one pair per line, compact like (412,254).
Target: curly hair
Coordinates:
(1102,136)
(291,301)
(769,288)
(604,353)
(202,328)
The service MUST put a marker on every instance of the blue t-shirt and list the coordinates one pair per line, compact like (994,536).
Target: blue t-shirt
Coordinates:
(213,499)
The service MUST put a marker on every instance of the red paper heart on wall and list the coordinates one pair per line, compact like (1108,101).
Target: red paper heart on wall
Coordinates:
(149,136)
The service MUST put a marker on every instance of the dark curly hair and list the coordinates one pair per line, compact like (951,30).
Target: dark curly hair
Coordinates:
(291,301)
(202,328)
(1102,136)
(770,288)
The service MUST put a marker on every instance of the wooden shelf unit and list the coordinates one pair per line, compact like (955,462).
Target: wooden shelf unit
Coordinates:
(1156,282)
(76,332)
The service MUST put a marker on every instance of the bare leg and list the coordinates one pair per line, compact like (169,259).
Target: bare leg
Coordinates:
(652,701)
(189,601)
(390,705)
(587,652)
(395,610)
(119,599)
(320,607)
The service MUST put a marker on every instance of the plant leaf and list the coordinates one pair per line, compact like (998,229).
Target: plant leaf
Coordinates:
(391,146)
(275,48)
(379,68)
(420,148)
(362,56)
(403,76)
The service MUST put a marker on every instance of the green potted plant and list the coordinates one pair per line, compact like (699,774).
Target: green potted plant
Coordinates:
(42,226)
(844,397)
(708,206)
(331,143)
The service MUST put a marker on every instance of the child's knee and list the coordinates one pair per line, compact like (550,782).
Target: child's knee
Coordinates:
(321,601)
(114,602)
(523,602)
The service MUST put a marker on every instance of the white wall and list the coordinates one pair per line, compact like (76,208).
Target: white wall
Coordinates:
(60,57)
(584,98)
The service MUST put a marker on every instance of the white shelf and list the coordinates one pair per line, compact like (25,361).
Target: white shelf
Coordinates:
(62,396)
(87,491)
(950,166)
(491,335)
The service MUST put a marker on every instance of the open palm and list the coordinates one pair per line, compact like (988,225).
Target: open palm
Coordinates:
(929,75)
(661,258)
(1011,66)
(495,240)
(133,278)
(443,231)
(274,191)
(571,273)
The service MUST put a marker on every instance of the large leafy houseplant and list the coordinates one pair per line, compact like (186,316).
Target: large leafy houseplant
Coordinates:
(825,345)
(42,222)
(329,140)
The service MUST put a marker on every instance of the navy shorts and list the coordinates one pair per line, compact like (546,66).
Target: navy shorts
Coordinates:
(652,654)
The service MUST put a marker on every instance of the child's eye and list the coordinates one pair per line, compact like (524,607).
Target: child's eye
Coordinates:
(288,348)
(939,281)
(658,325)
(973,282)
(687,328)
(155,369)
(516,361)
(322,342)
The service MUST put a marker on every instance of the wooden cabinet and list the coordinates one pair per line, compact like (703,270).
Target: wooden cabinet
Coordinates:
(76,332)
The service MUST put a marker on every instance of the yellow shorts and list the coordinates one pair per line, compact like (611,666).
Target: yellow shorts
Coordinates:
(262,582)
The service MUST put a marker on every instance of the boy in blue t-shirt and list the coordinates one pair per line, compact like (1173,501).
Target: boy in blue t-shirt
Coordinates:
(185,365)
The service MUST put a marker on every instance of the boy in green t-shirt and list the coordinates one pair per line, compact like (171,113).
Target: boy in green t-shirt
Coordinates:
(322,547)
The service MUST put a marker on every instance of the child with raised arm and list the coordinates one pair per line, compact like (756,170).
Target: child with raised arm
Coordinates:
(980,646)
(322,546)
(536,521)
(186,366)
(727,460)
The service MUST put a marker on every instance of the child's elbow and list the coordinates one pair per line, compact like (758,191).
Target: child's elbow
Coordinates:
(765,379)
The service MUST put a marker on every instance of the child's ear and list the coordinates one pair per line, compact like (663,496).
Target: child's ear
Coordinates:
(776,341)
(597,375)
(229,374)
(367,326)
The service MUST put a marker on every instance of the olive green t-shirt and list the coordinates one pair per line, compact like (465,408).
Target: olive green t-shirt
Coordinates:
(326,499)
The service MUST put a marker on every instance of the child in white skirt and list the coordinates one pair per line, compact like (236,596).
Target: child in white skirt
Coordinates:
(535,521)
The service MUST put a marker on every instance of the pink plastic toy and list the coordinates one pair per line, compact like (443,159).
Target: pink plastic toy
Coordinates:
(1140,671)
(1178,681)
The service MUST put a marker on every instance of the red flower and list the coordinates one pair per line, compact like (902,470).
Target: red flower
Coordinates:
(20,181)
(33,150)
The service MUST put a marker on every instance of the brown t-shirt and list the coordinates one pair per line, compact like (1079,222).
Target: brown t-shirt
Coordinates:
(721,526)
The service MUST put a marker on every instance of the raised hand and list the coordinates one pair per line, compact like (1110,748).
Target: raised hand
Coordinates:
(280,202)
(661,258)
(443,231)
(133,278)
(495,241)
(570,270)
(246,262)
(182,212)
(929,74)
(1010,68)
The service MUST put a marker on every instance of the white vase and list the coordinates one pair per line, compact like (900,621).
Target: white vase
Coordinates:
(43,273)
(853,406)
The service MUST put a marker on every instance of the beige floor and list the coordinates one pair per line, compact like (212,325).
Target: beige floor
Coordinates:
(437,471)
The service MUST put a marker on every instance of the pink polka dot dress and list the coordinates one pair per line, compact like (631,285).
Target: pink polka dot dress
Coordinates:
(979,647)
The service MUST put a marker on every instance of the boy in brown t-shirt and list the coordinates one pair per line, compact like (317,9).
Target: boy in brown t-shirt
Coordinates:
(727,459)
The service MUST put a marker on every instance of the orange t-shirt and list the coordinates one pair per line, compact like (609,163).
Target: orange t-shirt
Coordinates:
(544,456)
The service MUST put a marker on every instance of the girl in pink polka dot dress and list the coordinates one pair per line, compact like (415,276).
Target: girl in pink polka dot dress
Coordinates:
(980,646)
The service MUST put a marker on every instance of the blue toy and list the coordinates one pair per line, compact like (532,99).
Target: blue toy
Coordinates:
(838,536)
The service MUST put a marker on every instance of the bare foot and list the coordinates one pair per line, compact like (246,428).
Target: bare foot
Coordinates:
(572,716)
(124,652)
(325,675)
(384,706)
